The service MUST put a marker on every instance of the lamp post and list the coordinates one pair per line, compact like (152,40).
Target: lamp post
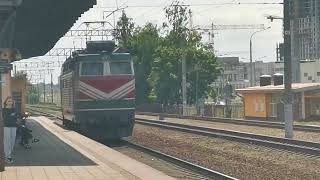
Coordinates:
(252,76)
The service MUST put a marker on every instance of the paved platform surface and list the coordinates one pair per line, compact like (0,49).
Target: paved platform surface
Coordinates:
(66,155)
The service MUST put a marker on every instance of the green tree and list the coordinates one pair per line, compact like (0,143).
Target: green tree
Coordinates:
(143,44)
(202,72)
(124,30)
(157,59)
(32,93)
(165,78)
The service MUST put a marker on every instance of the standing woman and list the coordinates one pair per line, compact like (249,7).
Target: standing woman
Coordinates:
(10,127)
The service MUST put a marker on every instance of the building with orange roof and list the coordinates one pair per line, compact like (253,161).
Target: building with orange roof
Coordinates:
(264,102)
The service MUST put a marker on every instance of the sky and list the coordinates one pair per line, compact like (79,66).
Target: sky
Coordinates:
(205,12)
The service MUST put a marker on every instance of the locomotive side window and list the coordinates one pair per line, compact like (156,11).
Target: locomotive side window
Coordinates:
(92,69)
(120,68)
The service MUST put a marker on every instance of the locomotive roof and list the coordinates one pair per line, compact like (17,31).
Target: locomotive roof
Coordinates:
(97,56)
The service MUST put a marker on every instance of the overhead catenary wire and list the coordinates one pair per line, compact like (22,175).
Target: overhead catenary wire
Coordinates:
(200,4)
(153,7)
(164,4)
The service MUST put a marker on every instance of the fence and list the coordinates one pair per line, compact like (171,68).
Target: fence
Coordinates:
(237,111)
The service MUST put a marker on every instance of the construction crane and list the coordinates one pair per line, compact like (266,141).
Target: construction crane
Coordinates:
(214,27)
(273,17)
(233,27)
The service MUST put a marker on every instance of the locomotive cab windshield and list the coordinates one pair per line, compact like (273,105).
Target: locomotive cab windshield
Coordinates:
(92,68)
(124,67)
(106,67)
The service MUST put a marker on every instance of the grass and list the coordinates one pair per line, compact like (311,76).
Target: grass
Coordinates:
(48,109)
(315,123)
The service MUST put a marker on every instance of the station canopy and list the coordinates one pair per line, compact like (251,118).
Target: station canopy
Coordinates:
(34,26)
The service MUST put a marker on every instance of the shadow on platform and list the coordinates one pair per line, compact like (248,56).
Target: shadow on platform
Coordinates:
(50,151)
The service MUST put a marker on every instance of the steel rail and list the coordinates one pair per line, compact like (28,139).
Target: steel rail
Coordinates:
(259,123)
(191,166)
(297,146)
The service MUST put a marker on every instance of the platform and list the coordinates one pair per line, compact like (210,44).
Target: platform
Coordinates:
(67,155)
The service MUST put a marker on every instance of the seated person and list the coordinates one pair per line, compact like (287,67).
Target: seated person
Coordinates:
(25,134)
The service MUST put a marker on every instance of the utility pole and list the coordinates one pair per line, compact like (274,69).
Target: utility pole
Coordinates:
(197,79)
(227,96)
(184,85)
(277,52)
(251,64)
(51,90)
(38,90)
(197,69)
(184,74)
(2,162)
(44,89)
(288,111)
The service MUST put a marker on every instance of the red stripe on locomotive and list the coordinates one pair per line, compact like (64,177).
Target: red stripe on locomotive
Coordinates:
(108,84)
(83,96)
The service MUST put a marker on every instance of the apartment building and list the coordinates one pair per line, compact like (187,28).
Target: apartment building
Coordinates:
(305,33)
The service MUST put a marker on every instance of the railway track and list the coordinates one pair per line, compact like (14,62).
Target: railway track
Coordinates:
(54,108)
(184,165)
(297,146)
(207,173)
(276,125)
(266,124)
(258,123)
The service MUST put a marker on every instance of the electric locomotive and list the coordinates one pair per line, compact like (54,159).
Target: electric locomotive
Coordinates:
(98,91)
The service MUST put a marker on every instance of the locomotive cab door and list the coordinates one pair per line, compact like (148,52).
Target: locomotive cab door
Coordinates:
(67,91)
